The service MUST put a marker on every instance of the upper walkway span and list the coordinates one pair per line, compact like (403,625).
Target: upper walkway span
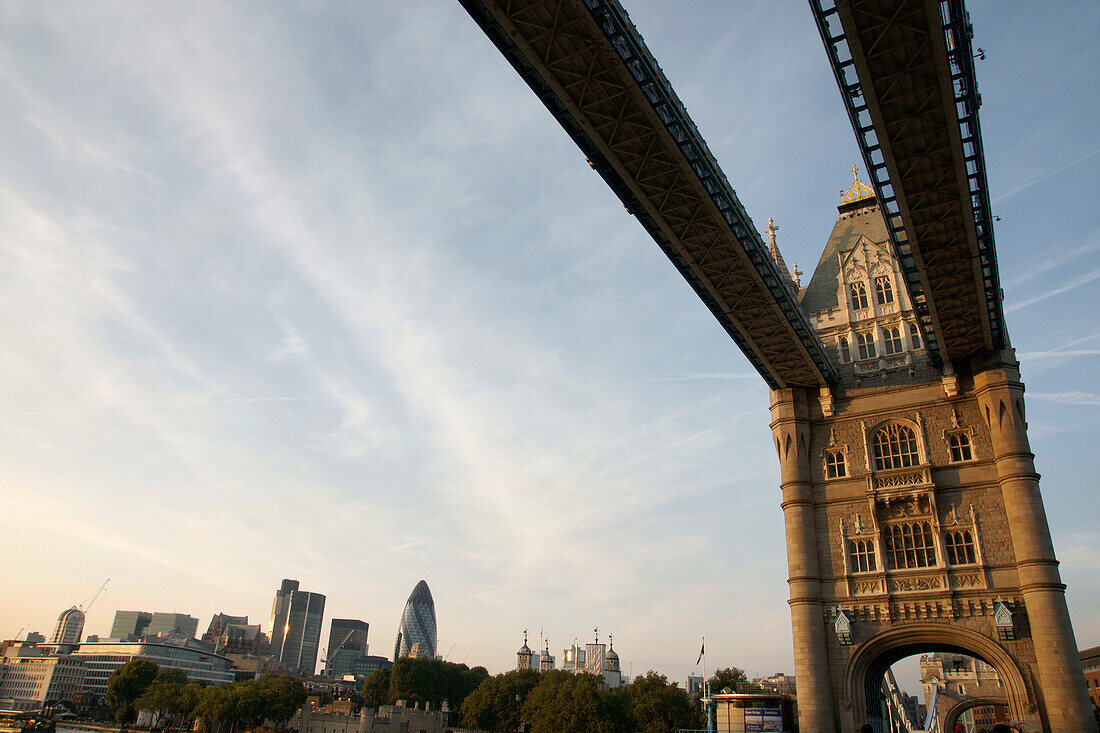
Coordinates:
(588,64)
(906,74)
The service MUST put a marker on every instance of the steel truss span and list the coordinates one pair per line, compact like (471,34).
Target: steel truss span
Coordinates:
(589,66)
(906,73)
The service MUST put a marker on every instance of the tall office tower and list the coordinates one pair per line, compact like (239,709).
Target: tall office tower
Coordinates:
(295,627)
(130,624)
(417,624)
(70,625)
(347,641)
(178,622)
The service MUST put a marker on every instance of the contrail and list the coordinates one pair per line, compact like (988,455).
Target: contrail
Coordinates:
(1045,176)
(1083,280)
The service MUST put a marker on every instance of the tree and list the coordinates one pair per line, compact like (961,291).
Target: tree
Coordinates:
(126,684)
(731,678)
(433,681)
(658,706)
(496,703)
(566,703)
(376,688)
(283,696)
(165,696)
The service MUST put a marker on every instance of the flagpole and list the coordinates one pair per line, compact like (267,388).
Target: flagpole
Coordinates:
(706,684)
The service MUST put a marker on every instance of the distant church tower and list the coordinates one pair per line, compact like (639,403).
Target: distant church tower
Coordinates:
(524,656)
(546,661)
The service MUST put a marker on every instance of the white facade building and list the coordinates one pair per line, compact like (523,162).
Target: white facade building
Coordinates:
(27,682)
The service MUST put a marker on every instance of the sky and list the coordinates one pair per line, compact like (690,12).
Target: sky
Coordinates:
(321,291)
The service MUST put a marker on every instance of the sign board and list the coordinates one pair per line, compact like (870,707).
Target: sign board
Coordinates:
(763,720)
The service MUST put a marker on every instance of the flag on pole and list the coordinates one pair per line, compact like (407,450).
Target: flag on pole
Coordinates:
(701,647)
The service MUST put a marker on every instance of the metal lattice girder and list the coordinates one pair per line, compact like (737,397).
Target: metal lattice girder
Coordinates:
(589,66)
(906,73)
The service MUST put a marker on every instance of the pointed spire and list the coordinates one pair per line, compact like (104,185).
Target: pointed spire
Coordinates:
(773,249)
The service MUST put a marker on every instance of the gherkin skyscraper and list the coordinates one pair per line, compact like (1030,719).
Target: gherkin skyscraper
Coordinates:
(417,627)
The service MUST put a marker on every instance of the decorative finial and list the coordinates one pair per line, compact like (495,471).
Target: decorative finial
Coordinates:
(796,275)
(611,640)
(858,190)
(596,631)
(525,637)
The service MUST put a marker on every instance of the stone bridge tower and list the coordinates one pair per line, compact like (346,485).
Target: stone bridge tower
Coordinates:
(912,509)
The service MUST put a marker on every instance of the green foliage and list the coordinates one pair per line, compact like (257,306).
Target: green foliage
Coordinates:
(169,694)
(496,703)
(433,681)
(565,703)
(126,684)
(658,706)
(250,702)
(376,688)
(731,677)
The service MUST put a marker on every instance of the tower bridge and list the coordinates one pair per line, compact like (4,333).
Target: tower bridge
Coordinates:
(911,504)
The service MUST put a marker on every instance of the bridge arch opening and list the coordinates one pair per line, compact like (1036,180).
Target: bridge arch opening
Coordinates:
(964,713)
(870,662)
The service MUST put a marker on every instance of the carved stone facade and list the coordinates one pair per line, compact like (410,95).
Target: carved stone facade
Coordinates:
(912,507)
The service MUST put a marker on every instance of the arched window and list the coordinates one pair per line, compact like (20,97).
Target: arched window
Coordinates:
(891,339)
(835,466)
(909,545)
(845,352)
(960,547)
(866,343)
(861,555)
(859,295)
(959,444)
(895,447)
(914,336)
(884,292)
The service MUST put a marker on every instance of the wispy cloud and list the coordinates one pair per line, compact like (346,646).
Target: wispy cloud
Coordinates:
(1067,397)
(1060,290)
(1052,260)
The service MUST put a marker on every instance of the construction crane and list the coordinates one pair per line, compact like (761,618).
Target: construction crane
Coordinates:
(84,607)
(330,655)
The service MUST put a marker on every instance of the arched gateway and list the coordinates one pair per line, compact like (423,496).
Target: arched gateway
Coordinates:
(913,516)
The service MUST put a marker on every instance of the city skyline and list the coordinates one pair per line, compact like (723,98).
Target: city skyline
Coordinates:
(343,284)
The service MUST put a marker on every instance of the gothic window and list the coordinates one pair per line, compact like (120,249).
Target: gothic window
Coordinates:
(959,444)
(861,555)
(895,447)
(859,295)
(884,292)
(835,466)
(960,547)
(914,336)
(866,343)
(909,545)
(845,352)
(891,338)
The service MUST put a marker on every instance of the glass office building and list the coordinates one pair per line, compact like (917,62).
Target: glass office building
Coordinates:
(417,627)
(295,628)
